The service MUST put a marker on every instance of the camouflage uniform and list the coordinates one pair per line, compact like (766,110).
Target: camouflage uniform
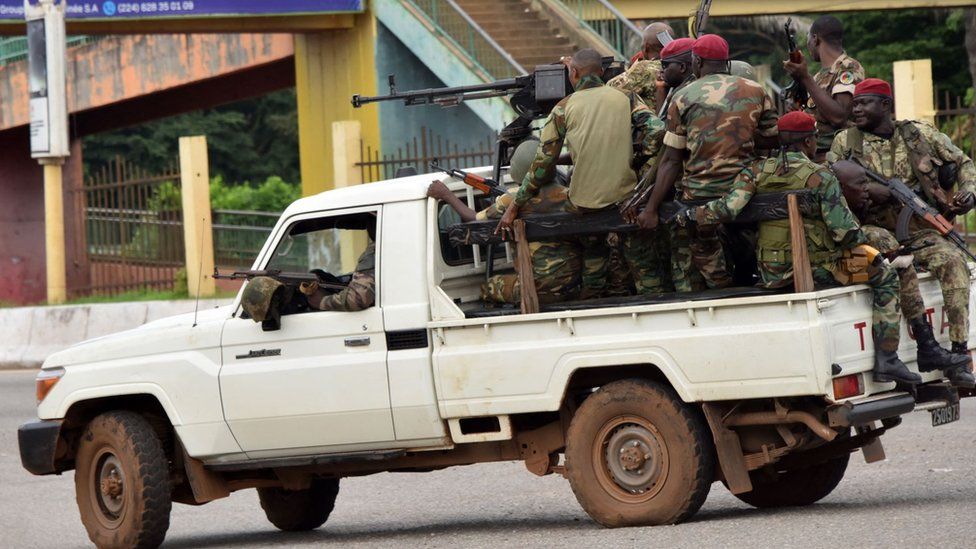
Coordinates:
(912,306)
(890,157)
(601,137)
(556,264)
(833,229)
(640,78)
(840,77)
(359,294)
(715,119)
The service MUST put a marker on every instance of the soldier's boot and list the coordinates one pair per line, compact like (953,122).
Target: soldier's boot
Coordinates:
(888,367)
(931,355)
(962,376)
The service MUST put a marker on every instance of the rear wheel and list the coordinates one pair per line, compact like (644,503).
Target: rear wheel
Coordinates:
(797,487)
(637,455)
(122,482)
(300,510)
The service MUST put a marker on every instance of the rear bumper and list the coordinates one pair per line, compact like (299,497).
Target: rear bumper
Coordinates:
(868,409)
(38,442)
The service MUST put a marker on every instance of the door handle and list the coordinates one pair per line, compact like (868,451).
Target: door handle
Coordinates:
(357,341)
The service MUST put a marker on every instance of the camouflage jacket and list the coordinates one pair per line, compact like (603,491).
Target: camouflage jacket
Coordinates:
(715,118)
(640,78)
(361,292)
(610,179)
(889,157)
(552,198)
(840,77)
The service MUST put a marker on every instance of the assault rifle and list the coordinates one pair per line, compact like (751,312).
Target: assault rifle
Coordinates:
(286,278)
(698,20)
(532,96)
(795,92)
(914,206)
(489,187)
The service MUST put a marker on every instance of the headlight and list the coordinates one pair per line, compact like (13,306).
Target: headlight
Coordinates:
(46,380)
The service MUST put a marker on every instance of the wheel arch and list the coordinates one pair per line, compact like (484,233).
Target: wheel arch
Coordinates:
(587,372)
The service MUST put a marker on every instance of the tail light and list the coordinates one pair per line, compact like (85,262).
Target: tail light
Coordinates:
(848,386)
(46,380)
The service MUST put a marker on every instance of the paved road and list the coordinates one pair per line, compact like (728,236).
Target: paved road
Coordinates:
(924,495)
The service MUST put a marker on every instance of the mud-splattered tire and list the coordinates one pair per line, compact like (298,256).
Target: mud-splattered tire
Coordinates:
(636,455)
(122,482)
(798,487)
(300,510)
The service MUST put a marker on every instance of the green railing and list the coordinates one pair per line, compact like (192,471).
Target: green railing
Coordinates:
(604,19)
(457,26)
(15,48)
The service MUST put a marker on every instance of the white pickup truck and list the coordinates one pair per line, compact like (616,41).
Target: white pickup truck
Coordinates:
(641,405)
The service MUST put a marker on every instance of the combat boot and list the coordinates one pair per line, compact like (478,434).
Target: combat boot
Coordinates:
(888,367)
(931,355)
(962,376)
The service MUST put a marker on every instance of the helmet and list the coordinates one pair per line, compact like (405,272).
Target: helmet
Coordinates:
(522,159)
(743,69)
(258,297)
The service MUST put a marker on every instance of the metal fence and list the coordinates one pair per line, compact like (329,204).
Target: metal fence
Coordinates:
(604,19)
(958,121)
(133,229)
(450,21)
(419,153)
(15,48)
(239,235)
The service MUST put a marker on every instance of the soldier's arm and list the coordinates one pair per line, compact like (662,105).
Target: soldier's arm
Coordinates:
(767,136)
(358,295)
(836,214)
(648,128)
(727,208)
(838,149)
(949,152)
(543,168)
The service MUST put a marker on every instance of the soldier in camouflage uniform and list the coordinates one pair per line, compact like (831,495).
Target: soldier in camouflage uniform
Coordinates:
(599,125)
(642,77)
(830,232)
(931,356)
(915,152)
(556,264)
(358,295)
(717,119)
(832,88)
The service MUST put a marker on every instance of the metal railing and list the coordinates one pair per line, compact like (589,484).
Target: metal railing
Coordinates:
(15,48)
(239,235)
(605,20)
(418,154)
(454,24)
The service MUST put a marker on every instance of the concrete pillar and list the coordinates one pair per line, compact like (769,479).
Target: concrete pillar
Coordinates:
(57,285)
(197,222)
(330,67)
(914,90)
(346,152)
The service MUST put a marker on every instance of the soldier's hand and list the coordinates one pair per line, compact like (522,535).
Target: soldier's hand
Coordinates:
(798,71)
(962,202)
(686,216)
(505,224)
(629,214)
(438,190)
(308,288)
(648,219)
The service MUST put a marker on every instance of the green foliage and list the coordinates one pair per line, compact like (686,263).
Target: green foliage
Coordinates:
(247,141)
(274,195)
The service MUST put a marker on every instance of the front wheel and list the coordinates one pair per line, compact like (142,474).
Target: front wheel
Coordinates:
(797,487)
(300,510)
(636,455)
(122,482)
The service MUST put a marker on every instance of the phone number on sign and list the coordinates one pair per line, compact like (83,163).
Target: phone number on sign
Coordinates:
(125,8)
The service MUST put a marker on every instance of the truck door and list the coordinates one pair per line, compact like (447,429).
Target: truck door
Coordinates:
(319,383)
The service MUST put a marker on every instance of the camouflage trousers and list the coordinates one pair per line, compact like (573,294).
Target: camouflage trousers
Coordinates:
(949,265)
(886,315)
(698,258)
(620,278)
(910,296)
(648,255)
(556,267)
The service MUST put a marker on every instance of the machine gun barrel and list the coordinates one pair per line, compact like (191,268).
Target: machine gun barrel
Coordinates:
(445,96)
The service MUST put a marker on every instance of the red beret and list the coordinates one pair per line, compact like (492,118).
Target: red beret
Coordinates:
(677,47)
(873,86)
(798,122)
(711,46)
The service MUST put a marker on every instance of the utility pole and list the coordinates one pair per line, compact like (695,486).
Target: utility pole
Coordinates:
(49,128)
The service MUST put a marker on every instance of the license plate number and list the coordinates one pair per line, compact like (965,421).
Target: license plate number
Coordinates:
(948,414)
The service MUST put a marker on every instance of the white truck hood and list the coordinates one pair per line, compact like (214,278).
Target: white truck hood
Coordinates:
(165,335)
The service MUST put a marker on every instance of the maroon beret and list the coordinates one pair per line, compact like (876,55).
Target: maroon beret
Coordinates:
(711,46)
(798,122)
(873,86)
(677,47)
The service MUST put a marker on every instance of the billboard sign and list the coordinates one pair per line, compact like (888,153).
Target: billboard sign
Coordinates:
(13,10)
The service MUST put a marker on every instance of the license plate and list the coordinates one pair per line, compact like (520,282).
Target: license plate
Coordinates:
(948,414)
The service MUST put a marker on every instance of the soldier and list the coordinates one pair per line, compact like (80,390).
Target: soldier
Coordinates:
(556,264)
(931,356)
(598,123)
(832,88)
(717,120)
(916,153)
(642,76)
(358,295)
(831,233)
(676,69)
